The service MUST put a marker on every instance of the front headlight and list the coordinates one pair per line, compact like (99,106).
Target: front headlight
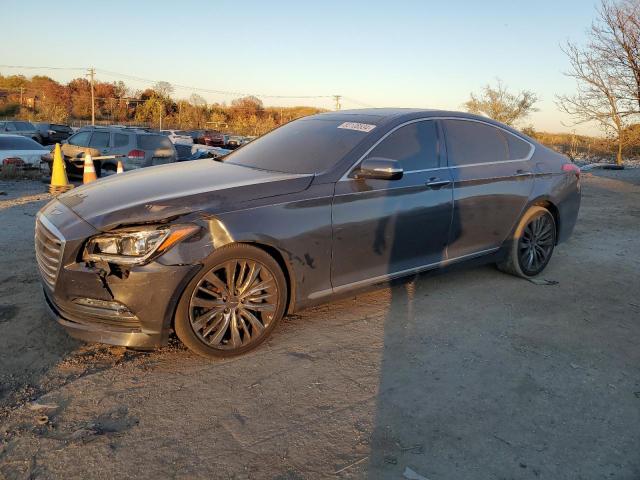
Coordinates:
(135,246)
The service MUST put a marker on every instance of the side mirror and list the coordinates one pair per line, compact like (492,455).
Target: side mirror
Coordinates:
(379,168)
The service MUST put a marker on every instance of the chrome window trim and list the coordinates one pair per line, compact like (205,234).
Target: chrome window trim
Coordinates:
(364,155)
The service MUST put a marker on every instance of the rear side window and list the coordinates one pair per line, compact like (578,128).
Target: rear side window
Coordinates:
(415,146)
(19,143)
(99,140)
(151,142)
(80,139)
(474,142)
(120,140)
(11,127)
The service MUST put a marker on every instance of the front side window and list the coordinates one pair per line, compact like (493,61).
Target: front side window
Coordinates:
(26,126)
(80,139)
(470,142)
(415,146)
(11,127)
(99,140)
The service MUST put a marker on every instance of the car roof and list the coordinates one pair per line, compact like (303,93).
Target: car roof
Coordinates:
(119,128)
(380,116)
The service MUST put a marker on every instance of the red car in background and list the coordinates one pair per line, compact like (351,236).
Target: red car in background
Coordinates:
(212,138)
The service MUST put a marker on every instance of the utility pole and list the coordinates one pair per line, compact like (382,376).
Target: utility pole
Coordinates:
(92,74)
(21,94)
(337,100)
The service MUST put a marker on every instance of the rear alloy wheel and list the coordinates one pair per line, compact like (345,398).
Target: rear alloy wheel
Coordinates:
(531,247)
(234,304)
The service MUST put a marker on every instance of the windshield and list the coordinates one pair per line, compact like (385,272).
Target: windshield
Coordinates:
(307,145)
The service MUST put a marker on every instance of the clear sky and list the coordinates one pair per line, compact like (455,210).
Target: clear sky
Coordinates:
(392,53)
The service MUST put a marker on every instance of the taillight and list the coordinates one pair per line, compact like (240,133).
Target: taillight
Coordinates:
(17,161)
(136,154)
(571,167)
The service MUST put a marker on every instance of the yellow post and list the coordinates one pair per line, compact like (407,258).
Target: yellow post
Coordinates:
(59,181)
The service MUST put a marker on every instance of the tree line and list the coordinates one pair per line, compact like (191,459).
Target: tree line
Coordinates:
(41,98)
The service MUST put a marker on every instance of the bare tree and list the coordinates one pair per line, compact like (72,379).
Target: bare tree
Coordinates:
(607,72)
(615,37)
(163,89)
(501,105)
(597,98)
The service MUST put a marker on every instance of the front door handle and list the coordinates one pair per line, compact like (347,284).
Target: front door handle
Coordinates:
(437,182)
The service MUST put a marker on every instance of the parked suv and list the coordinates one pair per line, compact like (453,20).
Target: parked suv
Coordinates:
(139,147)
(53,132)
(19,127)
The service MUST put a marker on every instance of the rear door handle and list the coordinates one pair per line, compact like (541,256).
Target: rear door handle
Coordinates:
(522,173)
(437,183)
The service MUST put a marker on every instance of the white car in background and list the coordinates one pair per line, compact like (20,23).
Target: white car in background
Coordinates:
(178,136)
(22,151)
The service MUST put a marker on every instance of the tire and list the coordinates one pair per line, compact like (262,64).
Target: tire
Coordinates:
(534,238)
(214,320)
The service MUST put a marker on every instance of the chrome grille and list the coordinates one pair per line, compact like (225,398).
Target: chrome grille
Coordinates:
(49,248)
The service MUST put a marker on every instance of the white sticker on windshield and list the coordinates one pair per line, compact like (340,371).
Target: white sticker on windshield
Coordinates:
(361,127)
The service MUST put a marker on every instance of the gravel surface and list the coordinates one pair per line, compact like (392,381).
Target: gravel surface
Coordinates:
(463,374)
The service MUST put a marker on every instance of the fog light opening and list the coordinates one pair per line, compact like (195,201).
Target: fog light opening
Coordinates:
(112,306)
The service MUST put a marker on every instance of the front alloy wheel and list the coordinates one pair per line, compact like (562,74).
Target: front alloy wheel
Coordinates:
(234,304)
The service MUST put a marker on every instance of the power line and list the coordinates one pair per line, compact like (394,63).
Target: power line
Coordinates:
(208,90)
(359,103)
(336,98)
(25,67)
(151,81)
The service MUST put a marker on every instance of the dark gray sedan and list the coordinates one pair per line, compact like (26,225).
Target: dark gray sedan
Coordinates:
(219,251)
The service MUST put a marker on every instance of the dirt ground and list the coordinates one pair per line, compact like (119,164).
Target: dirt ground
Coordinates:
(464,374)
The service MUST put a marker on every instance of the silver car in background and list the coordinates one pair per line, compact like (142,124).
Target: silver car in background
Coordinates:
(21,151)
(135,147)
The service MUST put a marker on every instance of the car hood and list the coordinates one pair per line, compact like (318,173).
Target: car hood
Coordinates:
(166,191)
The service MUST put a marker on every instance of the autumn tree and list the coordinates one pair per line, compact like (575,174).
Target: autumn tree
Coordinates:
(498,103)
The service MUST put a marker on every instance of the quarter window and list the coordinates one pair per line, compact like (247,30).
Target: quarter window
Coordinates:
(474,142)
(415,146)
(120,140)
(518,148)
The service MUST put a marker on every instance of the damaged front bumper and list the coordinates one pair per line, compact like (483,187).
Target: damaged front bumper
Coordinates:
(100,302)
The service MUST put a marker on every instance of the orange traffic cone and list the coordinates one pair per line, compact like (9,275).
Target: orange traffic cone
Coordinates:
(89,174)
(120,167)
